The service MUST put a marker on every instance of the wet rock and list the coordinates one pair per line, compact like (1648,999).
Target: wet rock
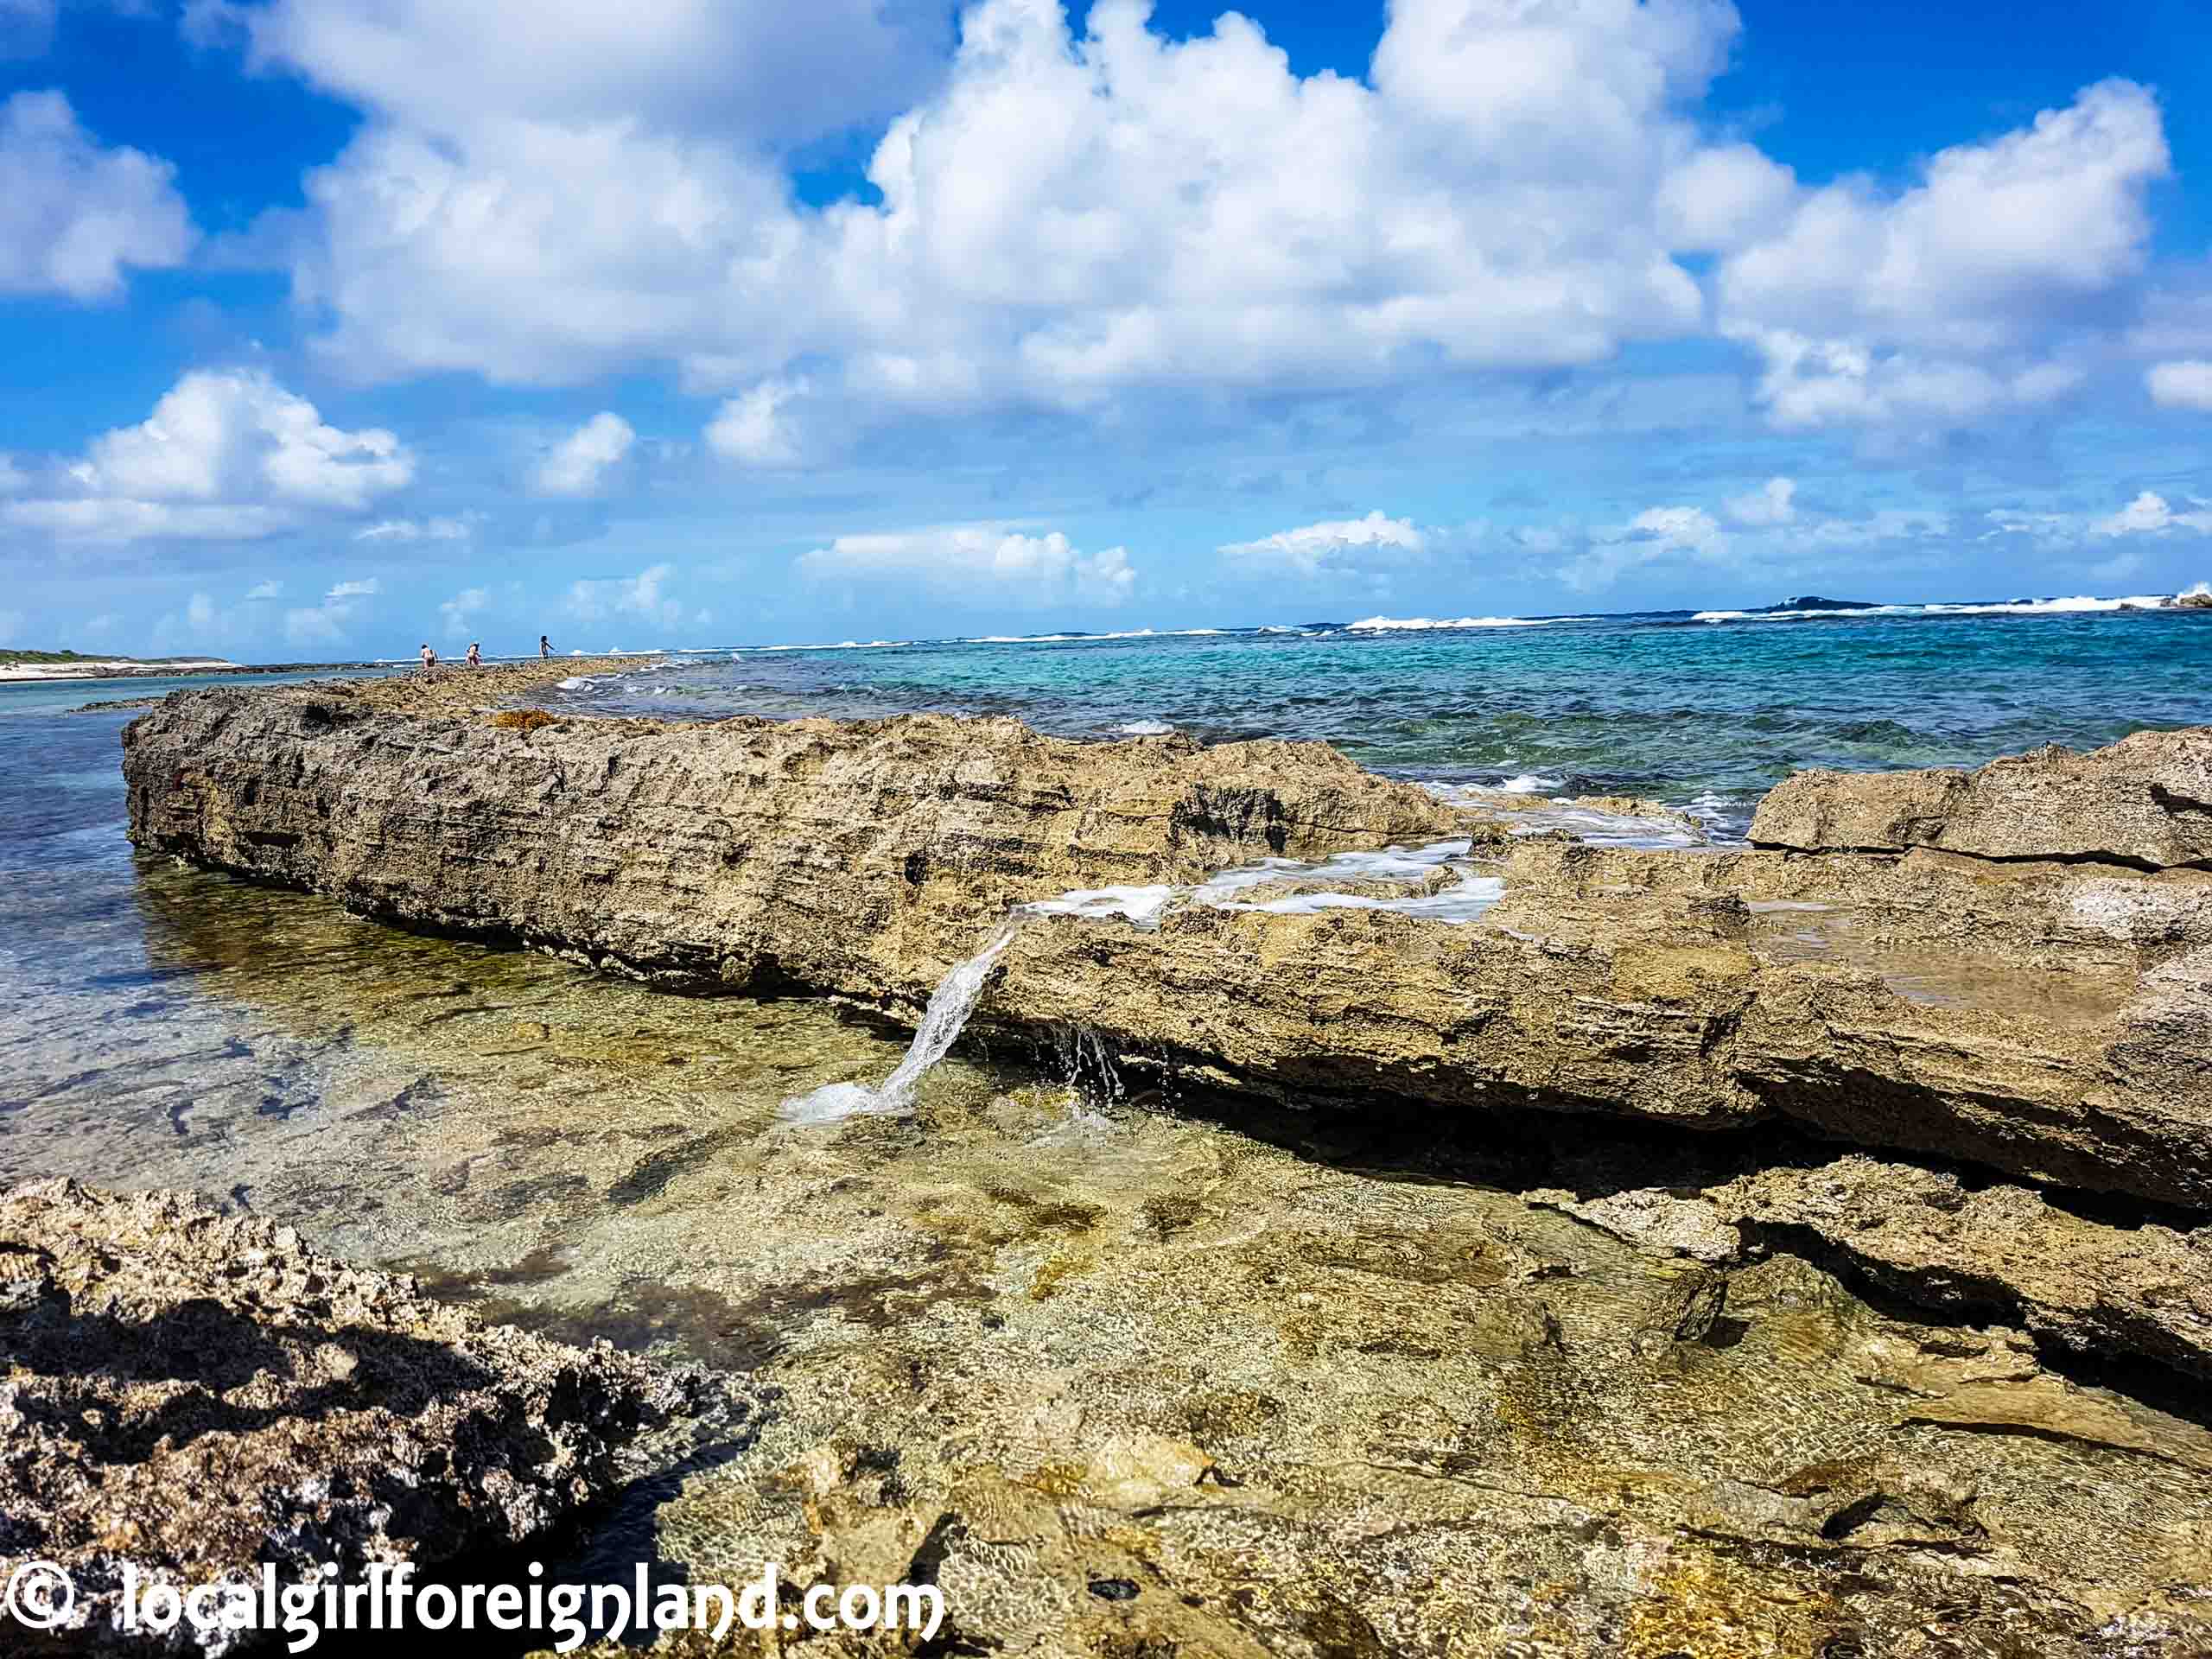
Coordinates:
(1995,1251)
(1663,1223)
(192,1394)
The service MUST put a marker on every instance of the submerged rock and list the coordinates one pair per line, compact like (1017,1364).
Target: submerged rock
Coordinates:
(192,1395)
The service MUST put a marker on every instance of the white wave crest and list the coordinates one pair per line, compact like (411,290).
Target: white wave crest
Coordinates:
(2077,604)
(1422,624)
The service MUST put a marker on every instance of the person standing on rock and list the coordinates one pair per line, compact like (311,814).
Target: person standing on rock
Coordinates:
(475,655)
(429,661)
(544,646)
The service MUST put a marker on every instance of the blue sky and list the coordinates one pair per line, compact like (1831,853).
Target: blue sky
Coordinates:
(327,327)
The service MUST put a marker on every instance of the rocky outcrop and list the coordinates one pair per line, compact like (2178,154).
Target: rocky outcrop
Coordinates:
(192,1395)
(2098,1287)
(862,858)
(2049,1018)
(2145,801)
(1997,1252)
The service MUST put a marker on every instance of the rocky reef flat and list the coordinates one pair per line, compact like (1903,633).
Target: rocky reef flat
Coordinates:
(1561,1237)
(192,1395)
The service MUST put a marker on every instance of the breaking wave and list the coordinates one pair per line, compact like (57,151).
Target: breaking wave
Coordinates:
(1425,623)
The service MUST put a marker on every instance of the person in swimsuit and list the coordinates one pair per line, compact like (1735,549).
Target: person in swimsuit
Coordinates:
(429,661)
(544,646)
(475,657)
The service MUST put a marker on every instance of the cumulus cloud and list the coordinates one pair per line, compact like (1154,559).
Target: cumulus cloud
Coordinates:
(580,462)
(755,428)
(1955,298)
(460,610)
(1333,547)
(74,214)
(763,70)
(644,595)
(1773,503)
(981,563)
(1061,218)
(2150,514)
(2184,385)
(1655,534)
(225,454)
(266,590)
(326,623)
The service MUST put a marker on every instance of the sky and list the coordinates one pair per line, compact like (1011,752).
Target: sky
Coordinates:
(329,328)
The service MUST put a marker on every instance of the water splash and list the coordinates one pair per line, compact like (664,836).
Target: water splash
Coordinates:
(950,1004)
(954,1000)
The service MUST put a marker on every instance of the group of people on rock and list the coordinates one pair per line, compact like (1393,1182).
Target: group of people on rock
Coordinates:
(475,658)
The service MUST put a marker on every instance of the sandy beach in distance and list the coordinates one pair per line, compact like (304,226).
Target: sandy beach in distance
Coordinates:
(116,668)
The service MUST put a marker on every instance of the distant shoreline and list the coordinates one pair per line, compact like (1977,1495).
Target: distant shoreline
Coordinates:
(28,670)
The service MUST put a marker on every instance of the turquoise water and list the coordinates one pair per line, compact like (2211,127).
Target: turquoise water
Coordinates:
(1691,712)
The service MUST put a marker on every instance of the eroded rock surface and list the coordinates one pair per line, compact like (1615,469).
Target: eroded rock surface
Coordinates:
(194,1395)
(2146,800)
(2051,1020)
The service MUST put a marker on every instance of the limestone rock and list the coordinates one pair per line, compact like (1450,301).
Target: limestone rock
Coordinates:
(2144,801)
(1997,1251)
(194,1394)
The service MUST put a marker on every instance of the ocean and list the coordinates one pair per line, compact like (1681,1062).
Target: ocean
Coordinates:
(1702,710)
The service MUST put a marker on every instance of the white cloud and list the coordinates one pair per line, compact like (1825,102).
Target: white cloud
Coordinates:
(111,519)
(1655,534)
(73,214)
(639,595)
(981,563)
(1773,503)
(579,461)
(326,623)
(225,454)
(266,590)
(2184,385)
(1954,299)
(1331,547)
(13,479)
(1719,200)
(419,530)
(2149,514)
(460,610)
(762,70)
(1061,219)
(754,429)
